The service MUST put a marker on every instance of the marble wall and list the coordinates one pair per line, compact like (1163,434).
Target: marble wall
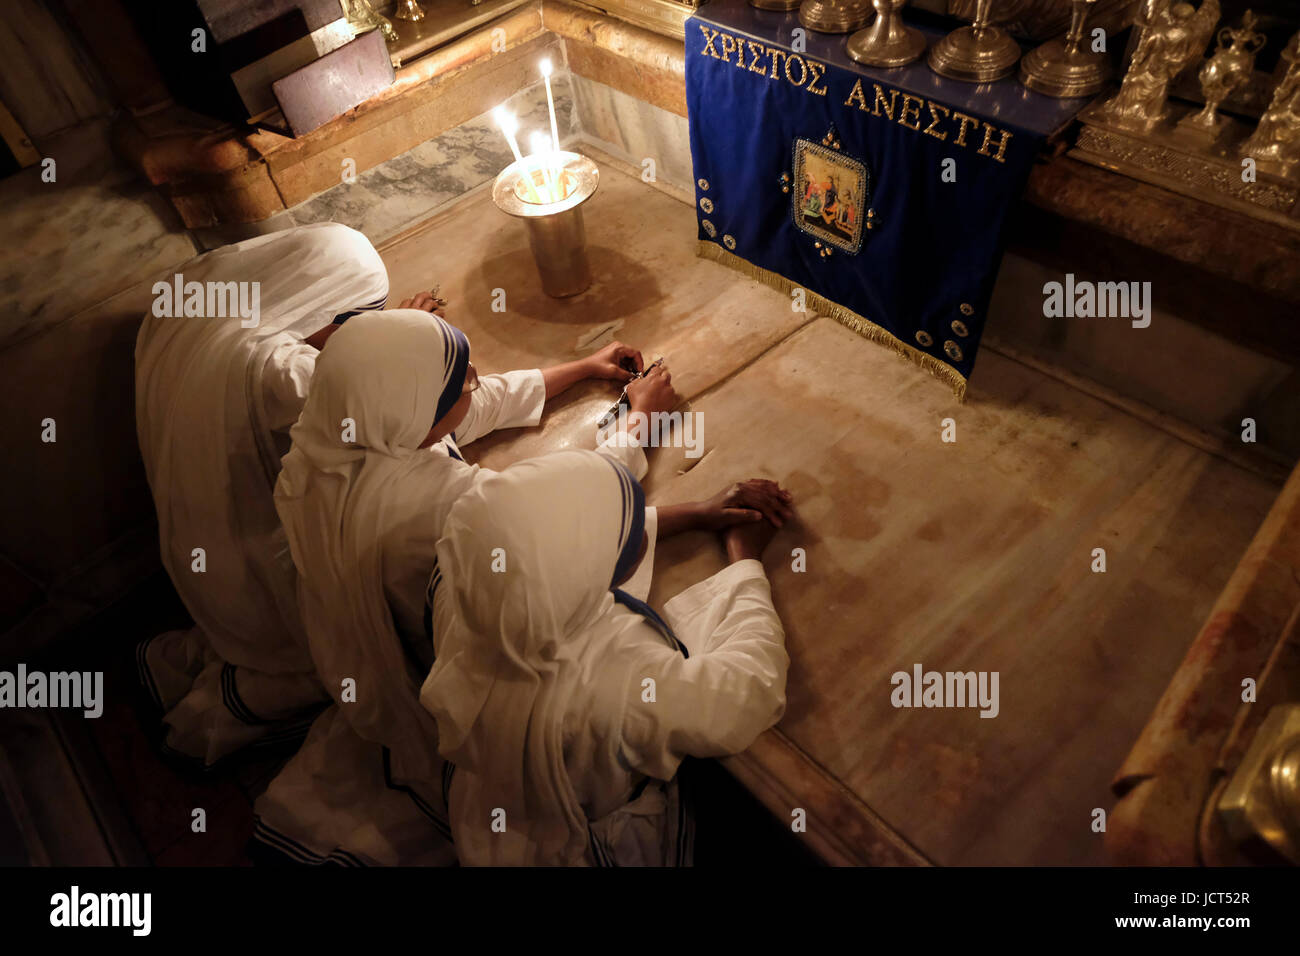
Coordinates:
(634,131)
(409,188)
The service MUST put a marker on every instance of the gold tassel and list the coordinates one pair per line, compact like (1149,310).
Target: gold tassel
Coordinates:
(823,306)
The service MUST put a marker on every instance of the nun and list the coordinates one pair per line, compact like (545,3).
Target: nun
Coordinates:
(564,704)
(215,396)
(375,467)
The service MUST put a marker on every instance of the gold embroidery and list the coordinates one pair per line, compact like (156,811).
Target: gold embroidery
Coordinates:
(803,69)
(703,184)
(708,227)
(911,105)
(857,94)
(935,121)
(728,47)
(818,70)
(924,337)
(729,241)
(823,306)
(880,98)
(709,37)
(965,122)
(959,327)
(1002,143)
(967,308)
(706,204)
(777,57)
(952,350)
(814,77)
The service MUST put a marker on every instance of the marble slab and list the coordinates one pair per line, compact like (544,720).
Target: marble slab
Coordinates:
(974,555)
(75,242)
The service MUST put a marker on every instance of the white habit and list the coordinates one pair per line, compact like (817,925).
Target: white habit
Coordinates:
(214,400)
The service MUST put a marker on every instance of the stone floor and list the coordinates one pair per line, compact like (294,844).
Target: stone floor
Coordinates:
(974,555)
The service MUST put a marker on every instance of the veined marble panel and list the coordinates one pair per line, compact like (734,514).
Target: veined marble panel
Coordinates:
(408,188)
(634,131)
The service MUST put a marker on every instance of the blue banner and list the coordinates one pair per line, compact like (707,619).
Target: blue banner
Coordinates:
(883,194)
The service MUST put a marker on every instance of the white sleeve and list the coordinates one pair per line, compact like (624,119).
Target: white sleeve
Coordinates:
(730,689)
(638,585)
(624,449)
(286,378)
(508,400)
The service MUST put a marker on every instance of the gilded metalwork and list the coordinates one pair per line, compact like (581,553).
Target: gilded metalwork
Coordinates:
(834,16)
(361,16)
(709,228)
(703,184)
(1262,799)
(966,308)
(1173,35)
(784,6)
(952,350)
(1162,159)
(1275,144)
(729,241)
(408,10)
(1065,67)
(706,204)
(665,17)
(979,53)
(924,338)
(959,327)
(888,41)
(1232,65)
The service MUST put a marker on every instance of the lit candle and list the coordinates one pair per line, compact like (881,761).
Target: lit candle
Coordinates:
(541,144)
(550,102)
(508,124)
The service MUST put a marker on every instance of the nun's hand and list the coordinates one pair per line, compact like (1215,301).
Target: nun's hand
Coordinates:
(744,541)
(653,392)
(426,302)
(745,502)
(613,361)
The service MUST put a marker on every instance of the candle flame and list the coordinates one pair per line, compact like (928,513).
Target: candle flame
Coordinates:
(505,120)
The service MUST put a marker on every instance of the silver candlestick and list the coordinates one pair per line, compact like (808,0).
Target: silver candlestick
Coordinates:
(888,41)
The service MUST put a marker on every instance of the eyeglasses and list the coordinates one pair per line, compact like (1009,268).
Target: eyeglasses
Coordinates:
(471,380)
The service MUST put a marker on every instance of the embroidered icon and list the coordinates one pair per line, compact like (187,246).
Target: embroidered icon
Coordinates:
(830,195)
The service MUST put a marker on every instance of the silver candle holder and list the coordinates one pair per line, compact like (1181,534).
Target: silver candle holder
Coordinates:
(556,233)
(979,53)
(888,41)
(1063,67)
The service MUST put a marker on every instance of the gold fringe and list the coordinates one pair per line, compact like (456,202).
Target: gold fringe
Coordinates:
(823,306)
